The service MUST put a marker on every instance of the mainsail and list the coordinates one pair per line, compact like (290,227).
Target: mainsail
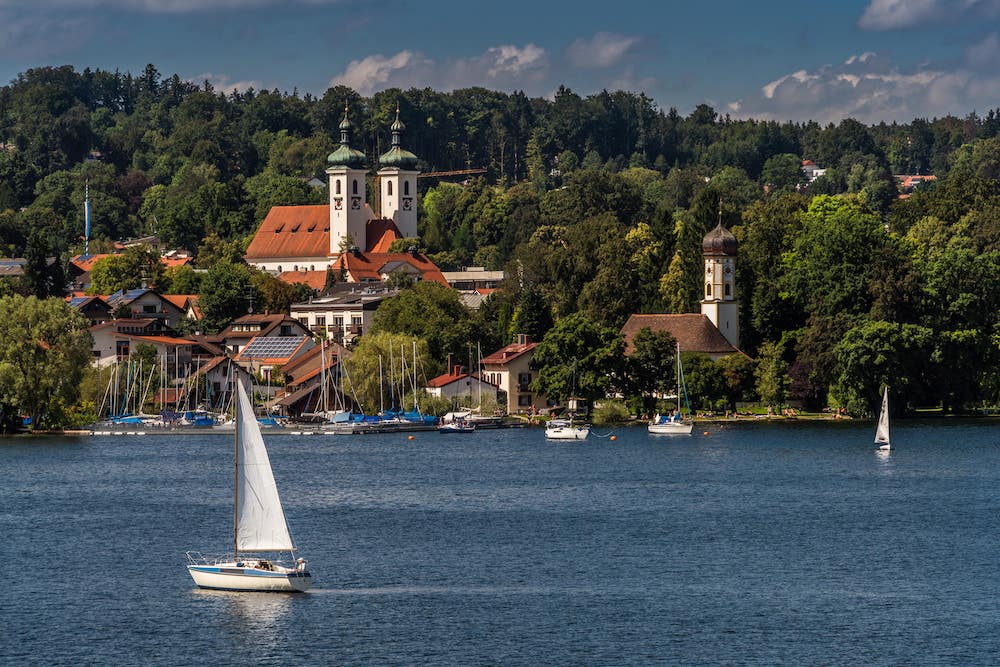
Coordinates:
(882,429)
(260,521)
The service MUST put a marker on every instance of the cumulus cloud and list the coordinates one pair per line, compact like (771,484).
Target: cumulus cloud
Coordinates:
(871,89)
(221,83)
(499,67)
(898,14)
(603,50)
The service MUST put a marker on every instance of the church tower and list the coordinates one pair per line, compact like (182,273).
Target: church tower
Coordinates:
(720,304)
(349,213)
(398,182)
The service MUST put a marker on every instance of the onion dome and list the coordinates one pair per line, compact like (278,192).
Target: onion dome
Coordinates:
(719,241)
(345,156)
(397,156)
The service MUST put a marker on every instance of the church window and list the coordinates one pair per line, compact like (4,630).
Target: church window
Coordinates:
(355,186)
(338,186)
(406,187)
(729,289)
(388,186)
(708,289)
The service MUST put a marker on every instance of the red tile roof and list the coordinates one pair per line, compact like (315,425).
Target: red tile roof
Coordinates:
(314,279)
(292,231)
(380,234)
(370,266)
(509,353)
(86,263)
(693,331)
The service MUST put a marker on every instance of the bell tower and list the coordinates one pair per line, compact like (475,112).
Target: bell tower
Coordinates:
(398,183)
(720,304)
(349,213)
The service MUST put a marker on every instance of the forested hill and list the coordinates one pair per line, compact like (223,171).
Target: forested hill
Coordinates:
(184,160)
(595,206)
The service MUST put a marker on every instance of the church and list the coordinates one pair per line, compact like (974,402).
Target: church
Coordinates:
(715,331)
(299,243)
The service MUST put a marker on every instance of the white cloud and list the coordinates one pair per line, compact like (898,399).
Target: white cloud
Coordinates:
(221,83)
(984,55)
(510,59)
(873,89)
(897,14)
(605,49)
(499,67)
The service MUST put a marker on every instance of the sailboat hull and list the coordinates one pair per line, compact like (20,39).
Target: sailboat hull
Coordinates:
(231,577)
(670,428)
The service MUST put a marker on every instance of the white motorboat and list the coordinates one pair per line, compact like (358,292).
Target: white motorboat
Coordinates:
(260,529)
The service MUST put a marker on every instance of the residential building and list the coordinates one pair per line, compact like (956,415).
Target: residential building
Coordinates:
(344,314)
(511,370)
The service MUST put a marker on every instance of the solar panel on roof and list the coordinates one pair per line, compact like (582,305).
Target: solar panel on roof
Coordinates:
(77,300)
(270,348)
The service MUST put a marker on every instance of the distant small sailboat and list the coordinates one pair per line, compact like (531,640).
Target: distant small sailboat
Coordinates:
(882,427)
(674,424)
(259,522)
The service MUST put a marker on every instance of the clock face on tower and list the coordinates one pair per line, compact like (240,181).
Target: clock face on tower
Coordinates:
(355,202)
(406,204)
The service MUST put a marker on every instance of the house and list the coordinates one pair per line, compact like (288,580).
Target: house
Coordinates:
(94,308)
(811,171)
(115,340)
(146,303)
(244,329)
(907,183)
(304,375)
(473,279)
(344,314)
(462,388)
(511,370)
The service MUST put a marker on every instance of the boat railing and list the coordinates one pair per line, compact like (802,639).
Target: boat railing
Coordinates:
(198,558)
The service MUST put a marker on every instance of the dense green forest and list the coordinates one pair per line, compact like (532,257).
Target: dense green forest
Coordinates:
(595,206)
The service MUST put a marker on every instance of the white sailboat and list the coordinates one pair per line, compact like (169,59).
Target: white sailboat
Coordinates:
(259,522)
(566,429)
(674,424)
(882,427)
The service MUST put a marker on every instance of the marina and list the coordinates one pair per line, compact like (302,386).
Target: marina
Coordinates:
(752,543)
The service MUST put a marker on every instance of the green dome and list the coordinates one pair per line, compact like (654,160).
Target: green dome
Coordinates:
(345,156)
(398,157)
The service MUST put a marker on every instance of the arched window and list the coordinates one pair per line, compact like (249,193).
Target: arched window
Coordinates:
(355,187)
(708,289)
(406,187)
(279,268)
(338,186)
(729,289)
(388,188)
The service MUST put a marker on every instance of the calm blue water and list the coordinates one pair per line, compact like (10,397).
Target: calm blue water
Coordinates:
(752,545)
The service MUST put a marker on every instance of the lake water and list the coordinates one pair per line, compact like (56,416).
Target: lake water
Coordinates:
(753,544)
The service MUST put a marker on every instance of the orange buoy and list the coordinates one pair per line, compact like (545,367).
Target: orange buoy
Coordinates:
(409,437)
(614,437)
(704,432)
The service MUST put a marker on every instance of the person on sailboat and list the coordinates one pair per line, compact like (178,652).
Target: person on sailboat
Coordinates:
(675,416)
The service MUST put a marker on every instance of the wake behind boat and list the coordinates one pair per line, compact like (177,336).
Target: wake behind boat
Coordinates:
(259,527)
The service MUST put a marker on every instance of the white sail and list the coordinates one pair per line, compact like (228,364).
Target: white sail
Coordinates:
(882,429)
(260,521)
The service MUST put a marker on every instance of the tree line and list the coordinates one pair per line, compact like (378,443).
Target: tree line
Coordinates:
(595,206)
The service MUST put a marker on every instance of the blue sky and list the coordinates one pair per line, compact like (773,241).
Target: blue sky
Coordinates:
(872,60)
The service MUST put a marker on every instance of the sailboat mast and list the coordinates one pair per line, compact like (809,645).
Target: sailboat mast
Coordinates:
(236,476)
